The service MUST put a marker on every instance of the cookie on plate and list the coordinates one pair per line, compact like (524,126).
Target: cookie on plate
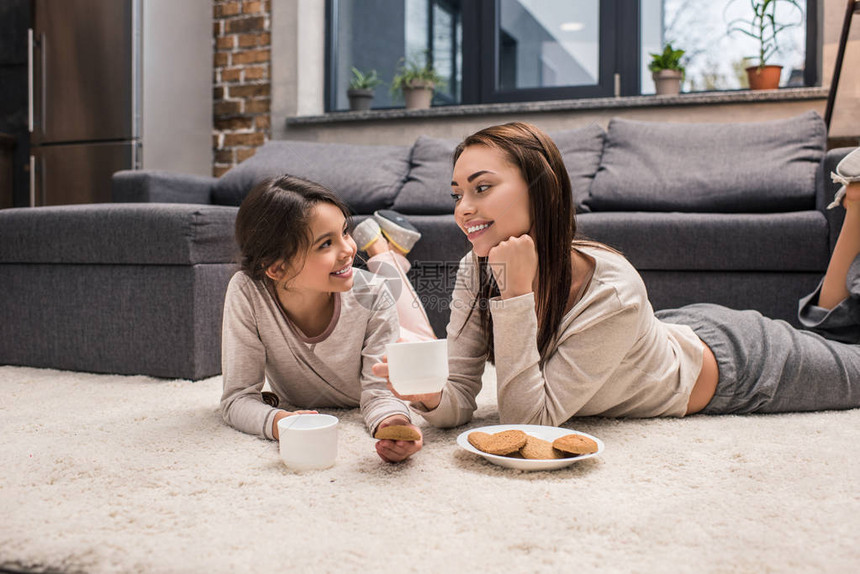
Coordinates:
(397,432)
(501,443)
(479,440)
(575,444)
(537,448)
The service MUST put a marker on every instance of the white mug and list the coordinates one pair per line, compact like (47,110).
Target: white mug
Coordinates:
(308,442)
(418,368)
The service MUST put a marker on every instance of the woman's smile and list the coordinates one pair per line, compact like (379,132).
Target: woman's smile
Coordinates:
(474,229)
(492,198)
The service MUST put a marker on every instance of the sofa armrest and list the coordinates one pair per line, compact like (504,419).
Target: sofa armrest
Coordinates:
(149,186)
(827,191)
(119,234)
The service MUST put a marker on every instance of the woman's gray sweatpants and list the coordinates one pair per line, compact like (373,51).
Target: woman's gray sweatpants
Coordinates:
(768,366)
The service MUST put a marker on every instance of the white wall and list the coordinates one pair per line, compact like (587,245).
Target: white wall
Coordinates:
(176,90)
(298,61)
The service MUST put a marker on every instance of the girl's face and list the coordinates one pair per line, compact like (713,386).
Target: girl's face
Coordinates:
(492,198)
(327,265)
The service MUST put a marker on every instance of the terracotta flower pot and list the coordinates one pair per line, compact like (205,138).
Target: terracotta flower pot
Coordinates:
(667,82)
(764,78)
(418,96)
(359,100)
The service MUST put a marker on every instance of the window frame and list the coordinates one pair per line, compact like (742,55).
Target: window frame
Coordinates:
(442,98)
(619,66)
(611,59)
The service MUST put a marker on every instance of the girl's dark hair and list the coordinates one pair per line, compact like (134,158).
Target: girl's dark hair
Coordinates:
(553,224)
(273,222)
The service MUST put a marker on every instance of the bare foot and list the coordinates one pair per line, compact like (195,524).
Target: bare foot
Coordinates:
(834,288)
(397,249)
(379,246)
(852,192)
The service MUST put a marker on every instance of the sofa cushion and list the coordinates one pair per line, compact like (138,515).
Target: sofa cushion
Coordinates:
(366,177)
(753,167)
(427,190)
(119,233)
(581,150)
(775,242)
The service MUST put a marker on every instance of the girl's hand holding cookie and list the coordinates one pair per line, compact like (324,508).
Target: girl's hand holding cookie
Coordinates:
(514,264)
(429,401)
(391,450)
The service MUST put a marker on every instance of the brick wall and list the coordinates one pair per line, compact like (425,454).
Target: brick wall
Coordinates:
(242,82)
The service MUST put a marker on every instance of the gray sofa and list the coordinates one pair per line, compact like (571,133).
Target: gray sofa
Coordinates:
(726,213)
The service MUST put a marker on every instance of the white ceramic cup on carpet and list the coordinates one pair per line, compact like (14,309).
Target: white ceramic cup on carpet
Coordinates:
(418,368)
(308,442)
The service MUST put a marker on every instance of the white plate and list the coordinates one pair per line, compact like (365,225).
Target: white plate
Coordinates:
(539,431)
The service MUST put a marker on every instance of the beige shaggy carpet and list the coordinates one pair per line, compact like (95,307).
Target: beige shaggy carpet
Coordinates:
(132,474)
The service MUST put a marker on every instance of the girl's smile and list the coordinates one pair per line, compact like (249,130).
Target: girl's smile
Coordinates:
(326,267)
(332,250)
(345,273)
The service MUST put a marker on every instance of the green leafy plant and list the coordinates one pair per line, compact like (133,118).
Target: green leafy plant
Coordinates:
(415,74)
(763,27)
(669,59)
(363,80)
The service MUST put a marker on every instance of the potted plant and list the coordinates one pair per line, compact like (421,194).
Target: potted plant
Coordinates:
(763,27)
(361,86)
(416,82)
(667,71)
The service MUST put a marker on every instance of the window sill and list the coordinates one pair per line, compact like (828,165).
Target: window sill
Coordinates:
(696,99)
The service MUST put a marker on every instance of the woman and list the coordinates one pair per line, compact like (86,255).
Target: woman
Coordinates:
(570,329)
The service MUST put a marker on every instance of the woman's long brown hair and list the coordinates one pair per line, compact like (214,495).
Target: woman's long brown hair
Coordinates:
(553,225)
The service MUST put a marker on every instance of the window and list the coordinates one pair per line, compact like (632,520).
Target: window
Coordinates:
(716,58)
(381,34)
(547,44)
(545,50)
(527,50)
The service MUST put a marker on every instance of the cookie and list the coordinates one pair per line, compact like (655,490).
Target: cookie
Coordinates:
(537,448)
(575,444)
(501,443)
(397,432)
(479,439)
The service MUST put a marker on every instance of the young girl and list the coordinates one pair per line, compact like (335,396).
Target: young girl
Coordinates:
(570,328)
(299,314)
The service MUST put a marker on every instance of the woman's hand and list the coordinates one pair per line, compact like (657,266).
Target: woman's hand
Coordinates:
(284,414)
(514,264)
(429,401)
(398,450)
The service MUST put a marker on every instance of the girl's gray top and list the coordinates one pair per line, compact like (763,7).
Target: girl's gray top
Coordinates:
(332,369)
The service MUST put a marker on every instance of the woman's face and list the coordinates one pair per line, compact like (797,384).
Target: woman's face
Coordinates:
(327,265)
(492,198)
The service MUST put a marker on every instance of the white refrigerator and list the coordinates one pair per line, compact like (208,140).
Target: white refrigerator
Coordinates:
(116,85)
